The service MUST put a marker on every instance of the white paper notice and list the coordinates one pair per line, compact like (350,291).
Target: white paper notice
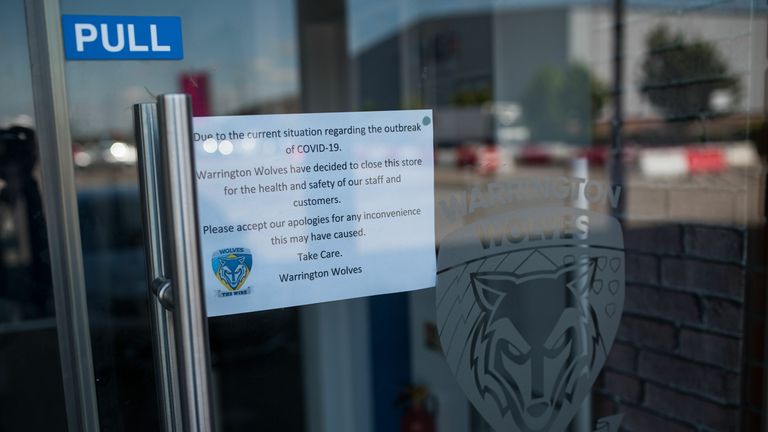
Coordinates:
(306,208)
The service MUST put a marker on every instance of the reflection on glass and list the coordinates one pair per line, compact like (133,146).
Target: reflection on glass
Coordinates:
(31,393)
(238,60)
(520,89)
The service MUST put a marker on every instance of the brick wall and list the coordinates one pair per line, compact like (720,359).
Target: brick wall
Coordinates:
(678,363)
(690,353)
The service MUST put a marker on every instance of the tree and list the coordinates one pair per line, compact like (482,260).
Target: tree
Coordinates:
(681,75)
(560,104)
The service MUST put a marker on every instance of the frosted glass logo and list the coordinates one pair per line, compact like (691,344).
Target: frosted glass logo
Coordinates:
(529,303)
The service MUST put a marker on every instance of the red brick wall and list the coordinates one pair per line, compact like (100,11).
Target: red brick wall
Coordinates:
(679,360)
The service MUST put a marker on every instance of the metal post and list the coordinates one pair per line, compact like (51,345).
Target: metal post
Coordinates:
(617,124)
(60,203)
(189,316)
(155,239)
(583,420)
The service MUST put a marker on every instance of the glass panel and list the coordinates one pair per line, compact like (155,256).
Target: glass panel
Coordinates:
(244,61)
(31,392)
(524,97)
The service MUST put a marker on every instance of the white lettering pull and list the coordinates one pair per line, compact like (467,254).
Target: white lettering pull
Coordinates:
(132,45)
(81,37)
(105,38)
(155,46)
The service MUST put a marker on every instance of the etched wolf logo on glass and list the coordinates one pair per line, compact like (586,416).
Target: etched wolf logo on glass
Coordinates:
(232,266)
(527,317)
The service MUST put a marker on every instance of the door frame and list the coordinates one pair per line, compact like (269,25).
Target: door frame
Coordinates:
(59,196)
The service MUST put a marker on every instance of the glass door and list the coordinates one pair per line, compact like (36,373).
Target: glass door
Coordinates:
(614,148)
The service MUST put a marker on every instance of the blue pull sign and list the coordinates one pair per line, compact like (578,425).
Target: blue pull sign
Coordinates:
(96,37)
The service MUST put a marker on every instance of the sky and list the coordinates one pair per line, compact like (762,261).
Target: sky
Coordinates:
(15,82)
(248,48)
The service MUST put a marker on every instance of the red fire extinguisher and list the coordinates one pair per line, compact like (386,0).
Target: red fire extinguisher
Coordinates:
(419,415)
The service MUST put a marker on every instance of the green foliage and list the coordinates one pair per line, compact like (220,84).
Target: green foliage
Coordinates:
(679,75)
(474,97)
(412,102)
(560,104)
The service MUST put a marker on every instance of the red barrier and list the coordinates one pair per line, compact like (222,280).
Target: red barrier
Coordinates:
(705,160)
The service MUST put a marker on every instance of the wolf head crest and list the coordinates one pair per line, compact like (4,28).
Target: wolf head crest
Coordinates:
(232,272)
(526,327)
(531,360)
(232,267)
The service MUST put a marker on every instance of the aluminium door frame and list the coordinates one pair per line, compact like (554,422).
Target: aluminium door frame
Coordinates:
(59,196)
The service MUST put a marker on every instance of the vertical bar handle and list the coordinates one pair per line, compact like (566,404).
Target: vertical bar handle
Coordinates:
(155,239)
(189,315)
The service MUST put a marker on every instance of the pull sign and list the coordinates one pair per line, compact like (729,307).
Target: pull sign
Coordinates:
(98,37)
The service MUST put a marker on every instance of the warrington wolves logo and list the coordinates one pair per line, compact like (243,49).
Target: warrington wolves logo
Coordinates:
(232,267)
(528,311)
